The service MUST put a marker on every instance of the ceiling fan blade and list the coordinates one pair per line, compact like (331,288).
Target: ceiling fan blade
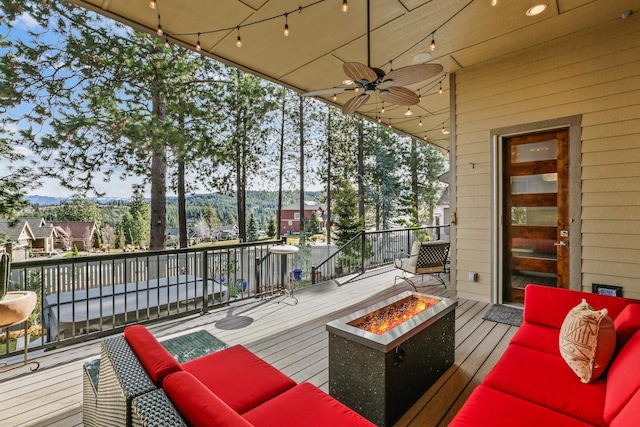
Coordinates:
(399,96)
(411,74)
(354,103)
(359,72)
(328,91)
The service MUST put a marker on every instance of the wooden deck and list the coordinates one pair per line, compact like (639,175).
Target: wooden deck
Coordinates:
(291,337)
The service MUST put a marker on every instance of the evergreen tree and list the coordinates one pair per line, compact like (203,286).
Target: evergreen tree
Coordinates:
(271,227)
(78,208)
(252,229)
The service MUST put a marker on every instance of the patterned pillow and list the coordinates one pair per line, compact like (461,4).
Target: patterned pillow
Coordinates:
(587,341)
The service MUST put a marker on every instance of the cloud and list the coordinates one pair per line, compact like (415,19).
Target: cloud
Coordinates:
(26,22)
(22,150)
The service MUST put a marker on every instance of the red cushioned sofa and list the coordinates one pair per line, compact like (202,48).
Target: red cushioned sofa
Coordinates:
(532,385)
(231,387)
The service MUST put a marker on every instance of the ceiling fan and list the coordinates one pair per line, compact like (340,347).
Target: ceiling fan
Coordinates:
(390,86)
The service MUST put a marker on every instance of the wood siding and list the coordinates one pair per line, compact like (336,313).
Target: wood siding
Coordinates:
(596,74)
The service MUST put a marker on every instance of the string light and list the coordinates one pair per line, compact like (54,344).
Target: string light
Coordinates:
(444,131)
(382,110)
(152,4)
(440,90)
(345,6)
(159,30)
(286,25)
(198,46)
(425,136)
(379,119)
(408,112)
(420,124)
(238,40)
(335,97)
(166,42)
(389,123)
(419,96)
(494,2)
(433,42)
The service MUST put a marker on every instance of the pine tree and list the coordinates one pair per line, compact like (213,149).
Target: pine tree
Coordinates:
(252,229)
(271,227)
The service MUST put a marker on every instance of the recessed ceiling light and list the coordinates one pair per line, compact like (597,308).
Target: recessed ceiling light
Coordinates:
(536,10)
(422,57)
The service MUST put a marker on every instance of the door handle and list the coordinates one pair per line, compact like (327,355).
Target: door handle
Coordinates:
(563,244)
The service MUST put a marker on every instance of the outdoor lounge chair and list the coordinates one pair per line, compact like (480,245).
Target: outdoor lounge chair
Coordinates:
(425,258)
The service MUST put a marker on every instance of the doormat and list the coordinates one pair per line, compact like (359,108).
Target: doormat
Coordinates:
(504,314)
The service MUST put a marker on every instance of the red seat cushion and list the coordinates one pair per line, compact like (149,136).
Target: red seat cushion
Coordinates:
(154,358)
(305,405)
(538,337)
(487,407)
(623,379)
(628,415)
(548,381)
(197,404)
(240,378)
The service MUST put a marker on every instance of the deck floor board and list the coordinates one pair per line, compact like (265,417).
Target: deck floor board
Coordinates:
(291,337)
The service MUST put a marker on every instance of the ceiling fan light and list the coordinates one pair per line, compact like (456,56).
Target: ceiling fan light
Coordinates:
(422,57)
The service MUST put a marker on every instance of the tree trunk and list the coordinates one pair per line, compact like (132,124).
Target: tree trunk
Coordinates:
(281,170)
(327,222)
(414,179)
(302,222)
(158,180)
(361,169)
(182,208)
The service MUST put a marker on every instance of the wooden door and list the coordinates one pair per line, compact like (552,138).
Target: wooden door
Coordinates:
(536,212)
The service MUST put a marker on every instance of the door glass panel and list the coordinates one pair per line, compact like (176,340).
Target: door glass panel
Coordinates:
(546,216)
(537,151)
(533,248)
(535,184)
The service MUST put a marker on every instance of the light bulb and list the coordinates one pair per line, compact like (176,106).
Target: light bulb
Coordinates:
(389,124)
(494,2)
(382,110)
(420,124)
(198,47)
(159,31)
(433,44)
(419,97)
(408,112)
(357,90)
(334,97)
(345,6)
(286,25)
(379,119)
(152,4)
(166,42)
(238,40)
(440,88)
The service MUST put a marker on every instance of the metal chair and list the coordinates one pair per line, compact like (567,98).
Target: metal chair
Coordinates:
(425,258)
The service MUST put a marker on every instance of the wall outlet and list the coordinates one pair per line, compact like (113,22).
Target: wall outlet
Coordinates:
(473,276)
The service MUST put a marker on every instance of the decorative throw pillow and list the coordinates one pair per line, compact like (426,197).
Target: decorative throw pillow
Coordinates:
(587,341)
(415,250)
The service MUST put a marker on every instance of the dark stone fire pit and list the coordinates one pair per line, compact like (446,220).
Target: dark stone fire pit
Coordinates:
(382,374)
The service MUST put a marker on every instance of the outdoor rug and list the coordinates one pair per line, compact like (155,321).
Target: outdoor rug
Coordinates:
(504,314)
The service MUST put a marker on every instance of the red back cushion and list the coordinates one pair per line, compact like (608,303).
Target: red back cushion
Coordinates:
(154,358)
(626,324)
(623,379)
(549,306)
(197,404)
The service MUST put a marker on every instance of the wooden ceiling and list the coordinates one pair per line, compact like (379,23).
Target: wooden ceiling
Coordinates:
(322,37)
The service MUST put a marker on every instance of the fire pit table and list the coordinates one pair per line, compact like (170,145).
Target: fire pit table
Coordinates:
(384,357)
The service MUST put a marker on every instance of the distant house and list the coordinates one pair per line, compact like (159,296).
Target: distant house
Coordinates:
(290,217)
(74,233)
(16,238)
(172,236)
(44,236)
(228,232)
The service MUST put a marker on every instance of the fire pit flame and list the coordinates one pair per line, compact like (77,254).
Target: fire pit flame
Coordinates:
(387,318)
